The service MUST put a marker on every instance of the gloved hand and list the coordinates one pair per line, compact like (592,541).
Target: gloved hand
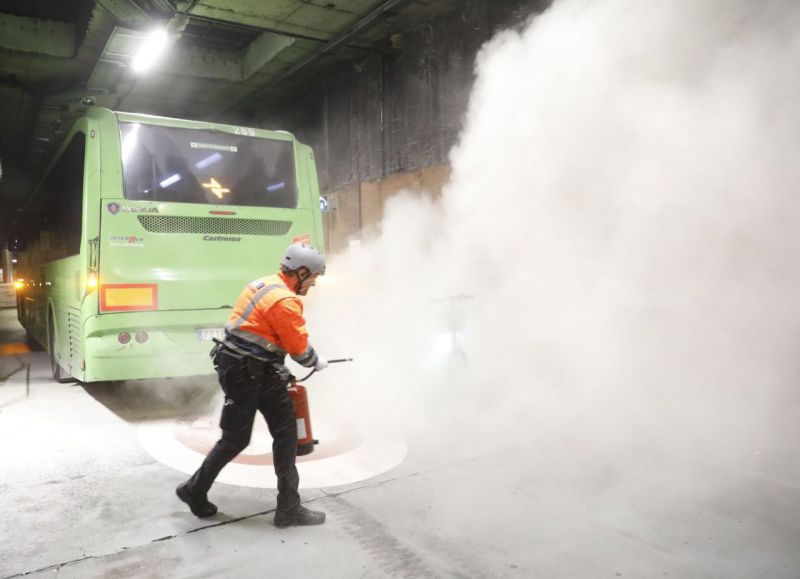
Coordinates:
(321,364)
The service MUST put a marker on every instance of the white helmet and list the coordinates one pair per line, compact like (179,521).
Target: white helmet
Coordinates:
(300,255)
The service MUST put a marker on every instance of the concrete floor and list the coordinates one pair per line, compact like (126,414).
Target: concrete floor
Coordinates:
(81,497)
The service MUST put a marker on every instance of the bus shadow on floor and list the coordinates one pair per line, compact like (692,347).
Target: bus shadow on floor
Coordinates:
(141,400)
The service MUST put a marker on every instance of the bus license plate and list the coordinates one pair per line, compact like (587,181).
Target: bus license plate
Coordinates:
(206,334)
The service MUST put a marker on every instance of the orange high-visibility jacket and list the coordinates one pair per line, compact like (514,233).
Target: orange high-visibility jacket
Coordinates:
(268,317)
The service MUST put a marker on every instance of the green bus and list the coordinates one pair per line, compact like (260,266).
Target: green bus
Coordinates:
(142,232)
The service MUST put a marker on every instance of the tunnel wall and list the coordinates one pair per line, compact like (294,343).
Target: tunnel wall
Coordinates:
(387,122)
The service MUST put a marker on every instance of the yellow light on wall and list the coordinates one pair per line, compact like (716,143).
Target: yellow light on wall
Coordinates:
(19,284)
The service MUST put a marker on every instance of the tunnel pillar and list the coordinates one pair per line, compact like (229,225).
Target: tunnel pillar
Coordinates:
(8,266)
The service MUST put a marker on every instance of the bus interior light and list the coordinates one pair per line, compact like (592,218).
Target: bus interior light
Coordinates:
(170,181)
(208,161)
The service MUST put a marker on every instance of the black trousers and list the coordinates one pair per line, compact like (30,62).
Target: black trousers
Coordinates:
(251,385)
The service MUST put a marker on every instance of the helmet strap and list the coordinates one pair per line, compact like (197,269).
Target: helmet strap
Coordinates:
(302,277)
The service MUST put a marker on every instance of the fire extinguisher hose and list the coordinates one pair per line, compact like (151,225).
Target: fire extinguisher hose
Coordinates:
(336,361)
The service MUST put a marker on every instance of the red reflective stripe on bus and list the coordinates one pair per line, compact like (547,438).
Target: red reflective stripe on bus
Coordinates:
(128,297)
(222,212)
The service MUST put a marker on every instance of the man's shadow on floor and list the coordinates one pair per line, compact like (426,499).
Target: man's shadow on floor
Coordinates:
(141,400)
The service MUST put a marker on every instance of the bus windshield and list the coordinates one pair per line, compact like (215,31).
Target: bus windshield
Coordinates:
(199,166)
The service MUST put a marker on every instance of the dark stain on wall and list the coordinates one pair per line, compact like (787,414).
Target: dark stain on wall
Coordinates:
(402,110)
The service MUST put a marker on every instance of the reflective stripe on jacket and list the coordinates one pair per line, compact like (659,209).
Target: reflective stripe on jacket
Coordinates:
(268,317)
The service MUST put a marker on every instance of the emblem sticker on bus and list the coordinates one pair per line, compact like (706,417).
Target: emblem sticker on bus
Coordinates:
(220,238)
(115,208)
(134,209)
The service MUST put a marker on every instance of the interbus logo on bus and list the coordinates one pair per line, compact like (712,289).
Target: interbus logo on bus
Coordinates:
(126,240)
(220,238)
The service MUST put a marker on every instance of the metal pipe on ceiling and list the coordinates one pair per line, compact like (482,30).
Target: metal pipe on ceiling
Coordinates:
(327,47)
(251,28)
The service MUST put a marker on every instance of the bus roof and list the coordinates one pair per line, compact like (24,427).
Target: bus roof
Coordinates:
(103,114)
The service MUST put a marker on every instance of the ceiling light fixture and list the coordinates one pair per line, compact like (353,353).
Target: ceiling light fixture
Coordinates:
(150,50)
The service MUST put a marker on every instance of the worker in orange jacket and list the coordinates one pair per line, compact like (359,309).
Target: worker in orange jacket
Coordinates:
(266,324)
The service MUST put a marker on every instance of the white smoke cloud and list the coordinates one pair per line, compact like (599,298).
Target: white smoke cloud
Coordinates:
(622,226)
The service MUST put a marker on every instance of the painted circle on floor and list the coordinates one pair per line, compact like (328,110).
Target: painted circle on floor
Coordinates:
(345,454)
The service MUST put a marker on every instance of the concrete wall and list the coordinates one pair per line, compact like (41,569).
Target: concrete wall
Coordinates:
(388,121)
(356,211)
(8,295)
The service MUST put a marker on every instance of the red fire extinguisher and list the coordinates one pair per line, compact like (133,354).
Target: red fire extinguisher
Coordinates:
(298,392)
(305,438)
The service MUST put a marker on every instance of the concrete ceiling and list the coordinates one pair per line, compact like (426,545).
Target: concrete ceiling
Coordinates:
(227,59)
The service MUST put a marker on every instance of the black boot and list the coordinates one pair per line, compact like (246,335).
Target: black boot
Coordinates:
(200,506)
(298,517)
